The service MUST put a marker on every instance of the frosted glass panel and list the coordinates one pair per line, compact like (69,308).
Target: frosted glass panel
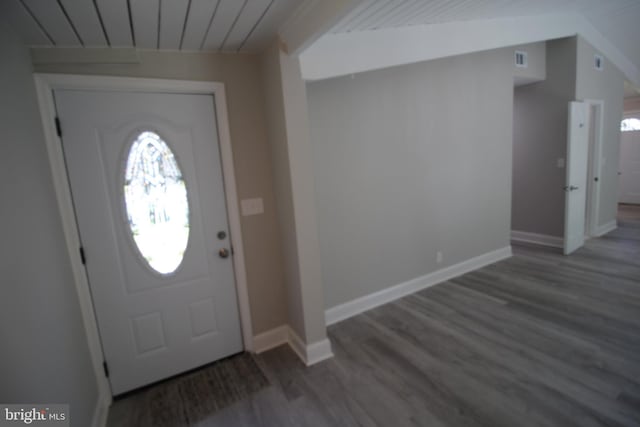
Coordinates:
(156,203)
(628,125)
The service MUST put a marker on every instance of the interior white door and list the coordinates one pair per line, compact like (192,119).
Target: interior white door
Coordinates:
(146,180)
(576,178)
(630,167)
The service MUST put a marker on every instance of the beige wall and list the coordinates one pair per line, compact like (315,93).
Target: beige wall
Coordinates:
(252,161)
(301,166)
(44,356)
(606,85)
(540,115)
(404,169)
(274,106)
(291,150)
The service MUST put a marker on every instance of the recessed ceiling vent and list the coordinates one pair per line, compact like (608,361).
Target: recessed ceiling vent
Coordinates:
(598,62)
(521,59)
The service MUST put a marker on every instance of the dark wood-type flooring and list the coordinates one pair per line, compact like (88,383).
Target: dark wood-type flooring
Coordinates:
(539,339)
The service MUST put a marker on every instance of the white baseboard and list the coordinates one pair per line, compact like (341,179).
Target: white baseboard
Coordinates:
(271,339)
(606,228)
(538,239)
(310,354)
(101,411)
(367,302)
(297,345)
(318,351)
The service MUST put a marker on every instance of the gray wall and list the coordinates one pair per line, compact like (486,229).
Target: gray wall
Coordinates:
(251,155)
(409,161)
(608,86)
(536,69)
(44,356)
(540,114)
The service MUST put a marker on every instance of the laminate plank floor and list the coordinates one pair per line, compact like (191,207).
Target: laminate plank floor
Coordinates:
(539,339)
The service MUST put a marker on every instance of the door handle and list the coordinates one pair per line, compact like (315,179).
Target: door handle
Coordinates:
(223,253)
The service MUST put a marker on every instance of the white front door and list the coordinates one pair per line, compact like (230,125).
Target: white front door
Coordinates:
(630,167)
(576,178)
(147,188)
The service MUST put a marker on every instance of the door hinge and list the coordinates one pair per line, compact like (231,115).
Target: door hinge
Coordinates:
(58,127)
(83,258)
(106,369)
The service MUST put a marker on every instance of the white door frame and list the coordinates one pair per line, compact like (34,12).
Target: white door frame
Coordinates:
(625,115)
(595,168)
(45,85)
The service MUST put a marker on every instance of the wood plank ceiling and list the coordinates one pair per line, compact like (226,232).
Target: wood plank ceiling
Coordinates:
(189,25)
(249,25)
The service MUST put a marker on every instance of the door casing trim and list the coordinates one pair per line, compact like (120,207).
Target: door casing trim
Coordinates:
(45,85)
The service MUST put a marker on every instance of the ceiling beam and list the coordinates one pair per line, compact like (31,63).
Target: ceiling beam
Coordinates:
(340,54)
(311,20)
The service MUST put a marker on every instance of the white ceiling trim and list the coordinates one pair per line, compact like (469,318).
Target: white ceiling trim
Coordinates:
(341,54)
(89,55)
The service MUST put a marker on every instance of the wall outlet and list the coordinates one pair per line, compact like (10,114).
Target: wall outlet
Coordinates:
(560,163)
(439,257)
(252,206)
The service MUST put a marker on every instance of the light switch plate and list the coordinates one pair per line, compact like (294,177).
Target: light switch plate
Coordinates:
(252,206)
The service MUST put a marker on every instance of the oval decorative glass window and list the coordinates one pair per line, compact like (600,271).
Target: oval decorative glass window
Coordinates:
(156,203)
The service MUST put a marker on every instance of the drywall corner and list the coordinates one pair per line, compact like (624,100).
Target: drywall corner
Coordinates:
(286,105)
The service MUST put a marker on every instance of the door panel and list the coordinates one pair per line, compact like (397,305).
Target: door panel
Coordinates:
(576,178)
(630,167)
(152,325)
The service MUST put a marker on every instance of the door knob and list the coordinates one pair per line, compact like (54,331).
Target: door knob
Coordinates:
(596,179)
(223,253)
